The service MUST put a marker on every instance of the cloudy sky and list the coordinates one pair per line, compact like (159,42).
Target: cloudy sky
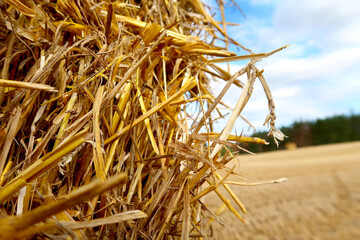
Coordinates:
(317,76)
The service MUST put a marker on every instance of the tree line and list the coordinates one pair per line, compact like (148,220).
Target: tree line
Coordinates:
(336,129)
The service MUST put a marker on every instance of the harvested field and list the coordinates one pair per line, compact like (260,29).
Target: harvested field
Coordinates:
(320,200)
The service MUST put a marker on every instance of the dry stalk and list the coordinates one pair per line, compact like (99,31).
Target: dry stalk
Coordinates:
(96,100)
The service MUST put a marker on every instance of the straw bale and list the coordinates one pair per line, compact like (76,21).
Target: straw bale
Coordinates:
(95,134)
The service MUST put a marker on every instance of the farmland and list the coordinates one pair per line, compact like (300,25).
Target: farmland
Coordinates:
(320,200)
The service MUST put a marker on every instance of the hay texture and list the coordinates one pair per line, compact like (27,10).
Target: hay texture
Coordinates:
(96,137)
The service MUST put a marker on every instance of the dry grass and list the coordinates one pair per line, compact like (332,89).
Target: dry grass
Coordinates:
(94,129)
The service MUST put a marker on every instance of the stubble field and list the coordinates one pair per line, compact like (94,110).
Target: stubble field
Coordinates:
(320,200)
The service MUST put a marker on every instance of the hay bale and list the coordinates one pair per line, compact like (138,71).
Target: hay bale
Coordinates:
(290,146)
(94,133)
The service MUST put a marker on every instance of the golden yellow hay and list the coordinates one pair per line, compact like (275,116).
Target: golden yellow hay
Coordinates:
(95,138)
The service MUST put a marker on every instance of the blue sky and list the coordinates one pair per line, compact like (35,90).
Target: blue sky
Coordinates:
(317,76)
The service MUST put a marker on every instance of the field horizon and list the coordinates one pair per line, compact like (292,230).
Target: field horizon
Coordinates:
(320,200)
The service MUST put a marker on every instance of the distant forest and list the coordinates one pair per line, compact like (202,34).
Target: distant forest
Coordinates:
(335,129)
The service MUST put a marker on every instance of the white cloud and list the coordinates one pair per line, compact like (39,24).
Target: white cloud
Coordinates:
(286,92)
(318,75)
(318,24)
(315,67)
(325,24)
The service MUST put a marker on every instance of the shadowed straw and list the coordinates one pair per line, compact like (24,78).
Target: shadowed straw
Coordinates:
(96,102)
